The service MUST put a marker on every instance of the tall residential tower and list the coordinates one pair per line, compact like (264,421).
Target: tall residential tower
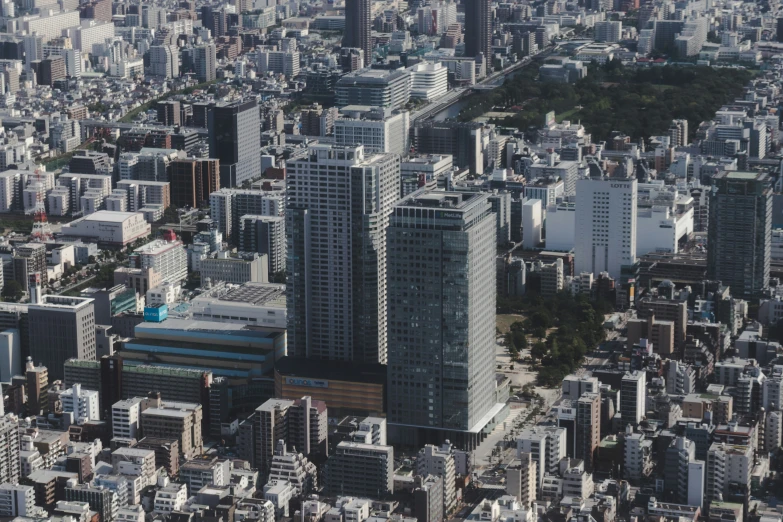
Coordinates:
(339,201)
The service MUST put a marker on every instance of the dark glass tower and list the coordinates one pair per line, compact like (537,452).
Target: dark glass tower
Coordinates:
(740,232)
(478,28)
(357,27)
(235,139)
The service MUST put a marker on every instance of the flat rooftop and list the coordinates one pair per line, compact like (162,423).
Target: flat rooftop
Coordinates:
(109,216)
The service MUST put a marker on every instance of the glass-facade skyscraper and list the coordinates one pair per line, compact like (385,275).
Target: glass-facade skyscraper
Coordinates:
(441,318)
(235,140)
(739,236)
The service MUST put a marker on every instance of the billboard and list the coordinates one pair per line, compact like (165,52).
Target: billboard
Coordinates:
(156,314)
(549,119)
(309,383)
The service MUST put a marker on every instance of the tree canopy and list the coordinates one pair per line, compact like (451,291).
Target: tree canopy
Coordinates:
(639,102)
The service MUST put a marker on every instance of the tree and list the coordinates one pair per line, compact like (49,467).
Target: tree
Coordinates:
(538,351)
(12,291)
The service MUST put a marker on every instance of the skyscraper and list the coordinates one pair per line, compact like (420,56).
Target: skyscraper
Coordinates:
(357,27)
(205,59)
(478,28)
(336,266)
(441,315)
(605,239)
(739,232)
(235,139)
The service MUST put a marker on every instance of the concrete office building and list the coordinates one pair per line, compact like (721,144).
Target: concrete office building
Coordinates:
(739,232)
(83,403)
(358,26)
(609,32)
(164,61)
(247,268)
(546,446)
(632,397)
(234,138)
(574,386)
(126,418)
(175,420)
(65,328)
(361,470)
(167,258)
(327,317)
(374,88)
(108,228)
(378,129)
(605,239)
(429,81)
(430,226)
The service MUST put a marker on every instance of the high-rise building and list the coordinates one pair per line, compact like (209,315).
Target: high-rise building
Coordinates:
(678,457)
(740,231)
(521,479)
(164,61)
(358,26)
(441,332)
(205,59)
(608,31)
(299,424)
(439,461)
(193,180)
(264,235)
(605,239)
(336,291)
(234,139)
(64,328)
(478,28)
(588,428)
(632,397)
(728,471)
(9,449)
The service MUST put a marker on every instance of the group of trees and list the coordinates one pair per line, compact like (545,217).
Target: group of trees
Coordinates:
(567,328)
(639,102)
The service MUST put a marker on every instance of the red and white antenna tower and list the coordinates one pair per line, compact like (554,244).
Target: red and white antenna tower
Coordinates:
(42,232)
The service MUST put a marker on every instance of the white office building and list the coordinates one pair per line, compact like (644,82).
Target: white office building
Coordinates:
(560,226)
(531,224)
(125,418)
(379,130)
(429,81)
(632,397)
(605,239)
(83,403)
(167,258)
